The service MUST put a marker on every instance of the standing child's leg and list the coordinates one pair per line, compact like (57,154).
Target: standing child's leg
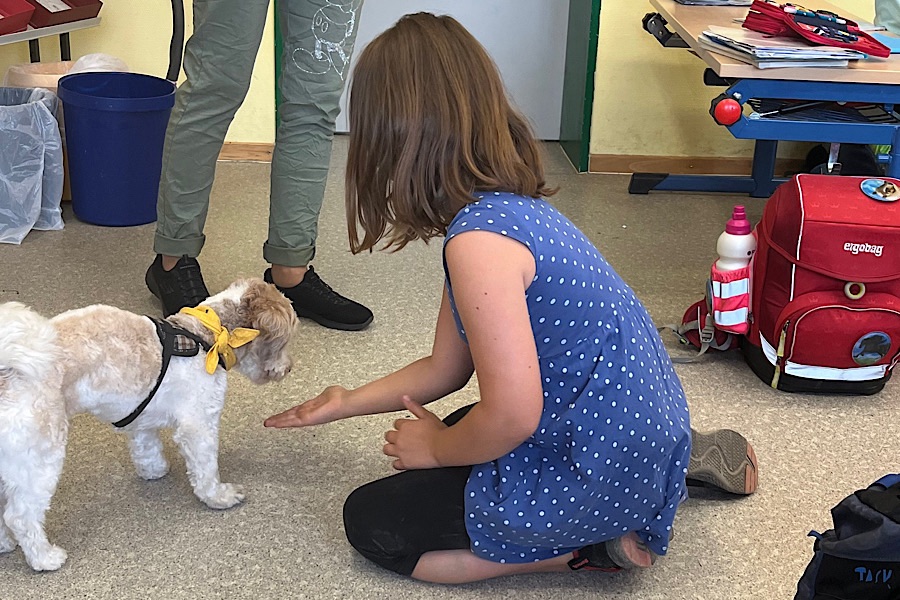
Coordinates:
(318,41)
(218,62)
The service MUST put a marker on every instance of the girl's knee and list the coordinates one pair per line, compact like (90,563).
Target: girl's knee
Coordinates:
(376,538)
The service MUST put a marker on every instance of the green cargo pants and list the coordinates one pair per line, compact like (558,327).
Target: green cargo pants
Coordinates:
(218,61)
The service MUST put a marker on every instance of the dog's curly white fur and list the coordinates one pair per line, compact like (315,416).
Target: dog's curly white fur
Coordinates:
(105,361)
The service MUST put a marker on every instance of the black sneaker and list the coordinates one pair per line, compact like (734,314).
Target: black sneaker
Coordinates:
(314,299)
(180,287)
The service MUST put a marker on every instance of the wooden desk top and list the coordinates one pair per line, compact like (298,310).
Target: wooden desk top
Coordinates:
(691,21)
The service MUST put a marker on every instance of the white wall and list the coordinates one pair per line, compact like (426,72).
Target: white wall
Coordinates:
(526,38)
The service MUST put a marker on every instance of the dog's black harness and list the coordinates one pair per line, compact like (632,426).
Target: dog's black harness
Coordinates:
(175,342)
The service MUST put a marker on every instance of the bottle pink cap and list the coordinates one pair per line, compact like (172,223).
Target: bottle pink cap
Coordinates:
(738,223)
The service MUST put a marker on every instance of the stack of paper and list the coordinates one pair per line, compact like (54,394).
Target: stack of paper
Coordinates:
(767,52)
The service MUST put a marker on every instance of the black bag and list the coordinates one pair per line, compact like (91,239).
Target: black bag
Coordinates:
(855,159)
(860,558)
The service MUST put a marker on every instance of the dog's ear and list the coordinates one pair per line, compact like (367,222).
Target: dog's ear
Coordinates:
(266,309)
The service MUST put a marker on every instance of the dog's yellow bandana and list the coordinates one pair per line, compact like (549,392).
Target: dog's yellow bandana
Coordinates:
(225,342)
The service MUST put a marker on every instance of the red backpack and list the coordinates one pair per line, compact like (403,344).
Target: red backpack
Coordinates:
(825,286)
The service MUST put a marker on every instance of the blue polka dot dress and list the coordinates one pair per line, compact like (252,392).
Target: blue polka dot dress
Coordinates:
(611,451)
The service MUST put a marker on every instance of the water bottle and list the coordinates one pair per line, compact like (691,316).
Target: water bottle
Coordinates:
(737,244)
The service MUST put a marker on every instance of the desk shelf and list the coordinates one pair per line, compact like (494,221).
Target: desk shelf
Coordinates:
(845,126)
(34,34)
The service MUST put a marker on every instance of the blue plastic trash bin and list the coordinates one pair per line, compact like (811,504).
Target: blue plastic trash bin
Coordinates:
(115,129)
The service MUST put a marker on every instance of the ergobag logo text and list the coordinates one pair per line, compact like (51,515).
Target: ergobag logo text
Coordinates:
(864,248)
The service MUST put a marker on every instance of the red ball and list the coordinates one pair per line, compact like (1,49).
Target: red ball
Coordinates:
(728,112)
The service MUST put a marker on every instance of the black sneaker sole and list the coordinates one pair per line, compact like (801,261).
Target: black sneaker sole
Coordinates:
(332,324)
(723,459)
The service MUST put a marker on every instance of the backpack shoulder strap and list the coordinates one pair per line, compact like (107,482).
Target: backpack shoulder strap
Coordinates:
(707,337)
(883,498)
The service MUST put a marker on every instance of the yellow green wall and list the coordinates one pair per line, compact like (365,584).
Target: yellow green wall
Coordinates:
(651,100)
(648,99)
(138,32)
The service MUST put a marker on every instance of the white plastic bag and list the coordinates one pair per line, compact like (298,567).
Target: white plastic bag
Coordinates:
(37,75)
(47,74)
(98,62)
(31,163)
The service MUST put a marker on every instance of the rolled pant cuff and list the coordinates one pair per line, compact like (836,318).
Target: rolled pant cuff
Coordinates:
(288,257)
(174,247)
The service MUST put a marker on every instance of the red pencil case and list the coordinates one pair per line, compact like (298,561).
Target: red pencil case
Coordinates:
(819,27)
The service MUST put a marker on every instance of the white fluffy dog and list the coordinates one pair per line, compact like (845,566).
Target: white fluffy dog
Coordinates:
(108,362)
(33,428)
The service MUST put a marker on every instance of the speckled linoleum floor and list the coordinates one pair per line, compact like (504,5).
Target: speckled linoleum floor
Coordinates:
(130,539)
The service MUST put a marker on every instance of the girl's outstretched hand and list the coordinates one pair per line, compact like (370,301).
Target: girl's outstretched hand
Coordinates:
(324,408)
(411,441)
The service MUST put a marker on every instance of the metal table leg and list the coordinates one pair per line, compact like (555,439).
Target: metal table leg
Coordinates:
(763,172)
(34,50)
(65,50)
(893,169)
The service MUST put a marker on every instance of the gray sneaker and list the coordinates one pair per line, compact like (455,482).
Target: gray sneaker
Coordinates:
(723,459)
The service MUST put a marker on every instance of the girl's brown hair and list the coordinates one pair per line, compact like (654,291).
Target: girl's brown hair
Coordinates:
(430,124)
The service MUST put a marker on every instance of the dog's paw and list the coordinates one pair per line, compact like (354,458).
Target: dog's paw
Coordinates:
(154,471)
(226,495)
(50,560)
(7,543)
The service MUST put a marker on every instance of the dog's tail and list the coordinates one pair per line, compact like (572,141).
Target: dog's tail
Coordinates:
(27,344)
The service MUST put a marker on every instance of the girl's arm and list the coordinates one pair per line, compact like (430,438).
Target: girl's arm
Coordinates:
(446,370)
(490,274)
